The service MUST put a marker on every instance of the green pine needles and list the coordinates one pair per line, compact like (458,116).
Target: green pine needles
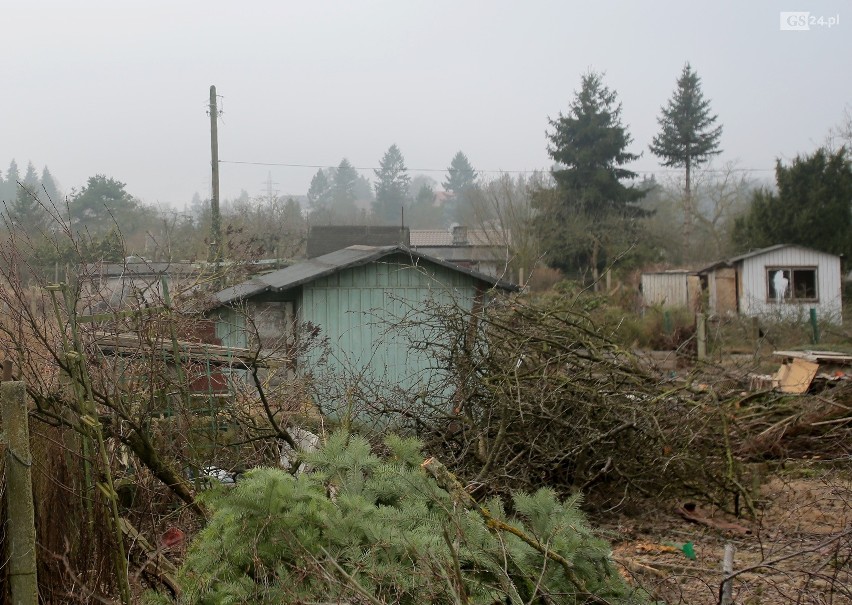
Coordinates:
(364,529)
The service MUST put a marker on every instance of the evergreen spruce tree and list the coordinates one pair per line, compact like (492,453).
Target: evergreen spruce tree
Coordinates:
(10,184)
(319,193)
(27,213)
(460,175)
(50,189)
(391,186)
(343,186)
(102,204)
(592,210)
(364,189)
(31,180)
(292,215)
(359,528)
(461,180)
(688,136)
(425,196)
(424,213)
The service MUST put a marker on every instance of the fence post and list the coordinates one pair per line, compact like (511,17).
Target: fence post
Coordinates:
(814,326)
(21,552)
(726,596)
(701,335)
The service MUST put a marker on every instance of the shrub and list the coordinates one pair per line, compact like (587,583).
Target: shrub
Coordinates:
(362,529)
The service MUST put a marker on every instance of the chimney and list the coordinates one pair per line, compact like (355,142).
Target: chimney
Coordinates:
(459,235)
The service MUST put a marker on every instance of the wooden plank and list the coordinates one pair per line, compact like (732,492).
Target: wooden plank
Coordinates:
(116,315)
(130,344)
(816,356)
(796,377)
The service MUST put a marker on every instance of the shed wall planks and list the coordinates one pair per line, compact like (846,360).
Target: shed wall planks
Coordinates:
(754,297)
(382,329)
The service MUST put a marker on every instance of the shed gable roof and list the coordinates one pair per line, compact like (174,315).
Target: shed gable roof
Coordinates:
(753,253)
(321,266)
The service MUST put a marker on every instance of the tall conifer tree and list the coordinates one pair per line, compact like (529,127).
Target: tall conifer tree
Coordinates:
(392,185)
(461,180)
(343,186)
(319,193)
(688,135)
(592,208)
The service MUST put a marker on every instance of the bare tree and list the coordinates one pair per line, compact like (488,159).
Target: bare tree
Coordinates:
(503,212)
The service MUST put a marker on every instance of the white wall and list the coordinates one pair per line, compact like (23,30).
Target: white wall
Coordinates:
(754,282)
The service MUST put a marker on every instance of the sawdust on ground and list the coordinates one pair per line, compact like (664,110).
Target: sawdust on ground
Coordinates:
(798,549)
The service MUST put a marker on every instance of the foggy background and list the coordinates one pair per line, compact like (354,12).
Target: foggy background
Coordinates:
(122,89)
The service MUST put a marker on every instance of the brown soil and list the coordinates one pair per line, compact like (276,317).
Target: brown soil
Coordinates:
(798,549)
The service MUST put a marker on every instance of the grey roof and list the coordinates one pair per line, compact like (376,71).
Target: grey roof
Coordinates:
(136,268)
(353,256)
(433,238)
(735,259)
(323,239)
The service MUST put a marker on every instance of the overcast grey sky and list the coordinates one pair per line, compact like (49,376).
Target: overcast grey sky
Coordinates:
(121,88)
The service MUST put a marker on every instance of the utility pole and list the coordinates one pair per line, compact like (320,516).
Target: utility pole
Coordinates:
(216,243)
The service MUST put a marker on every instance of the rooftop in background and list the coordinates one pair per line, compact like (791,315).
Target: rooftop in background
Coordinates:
(729,262)
(457,236)
(323,239)
(138,267)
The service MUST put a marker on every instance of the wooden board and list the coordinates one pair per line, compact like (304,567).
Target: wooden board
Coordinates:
(823,356)
(796,376)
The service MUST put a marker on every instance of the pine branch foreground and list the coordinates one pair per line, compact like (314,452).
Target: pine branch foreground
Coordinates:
(360,528)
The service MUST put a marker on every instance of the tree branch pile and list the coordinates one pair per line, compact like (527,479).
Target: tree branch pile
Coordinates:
(546,397)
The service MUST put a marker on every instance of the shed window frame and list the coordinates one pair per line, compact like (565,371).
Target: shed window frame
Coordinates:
(797,289)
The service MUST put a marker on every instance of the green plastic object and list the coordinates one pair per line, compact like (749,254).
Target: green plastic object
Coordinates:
(689,550)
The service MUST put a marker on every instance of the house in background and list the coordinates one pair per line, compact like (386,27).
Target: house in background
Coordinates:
(483,250)
(323,239)
(373,308)
(136,281)
(783,281)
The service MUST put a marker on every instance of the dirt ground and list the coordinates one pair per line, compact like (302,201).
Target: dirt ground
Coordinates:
(798,549)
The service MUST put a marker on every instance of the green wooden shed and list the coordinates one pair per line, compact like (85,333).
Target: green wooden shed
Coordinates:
(372,314)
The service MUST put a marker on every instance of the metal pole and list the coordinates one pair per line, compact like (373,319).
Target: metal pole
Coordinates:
(814,326)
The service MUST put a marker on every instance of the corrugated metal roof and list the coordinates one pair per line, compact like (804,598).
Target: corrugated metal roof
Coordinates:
(353,256)
(140,268)
(427,238)
(735,259)
(241,291)
(760,251)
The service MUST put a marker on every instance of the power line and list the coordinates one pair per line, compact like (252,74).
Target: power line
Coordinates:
(545,170)
(368,167)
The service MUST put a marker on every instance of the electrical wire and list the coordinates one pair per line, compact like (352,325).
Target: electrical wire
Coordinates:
(540,170)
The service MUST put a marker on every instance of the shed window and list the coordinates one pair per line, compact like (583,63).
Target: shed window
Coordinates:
(791,284)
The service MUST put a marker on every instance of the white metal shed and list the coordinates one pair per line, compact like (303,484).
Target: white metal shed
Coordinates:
(783,281)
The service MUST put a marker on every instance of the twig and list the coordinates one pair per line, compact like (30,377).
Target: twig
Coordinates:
(781,559)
